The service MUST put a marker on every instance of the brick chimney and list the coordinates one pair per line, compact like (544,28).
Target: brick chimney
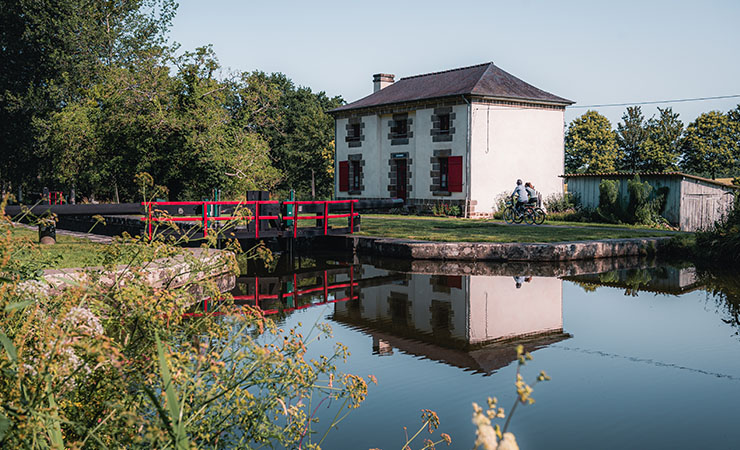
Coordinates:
(381,80)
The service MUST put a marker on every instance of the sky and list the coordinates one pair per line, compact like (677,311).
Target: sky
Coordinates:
(592,52)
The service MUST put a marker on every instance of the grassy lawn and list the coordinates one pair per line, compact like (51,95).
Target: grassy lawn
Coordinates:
(70,251)
(458,230)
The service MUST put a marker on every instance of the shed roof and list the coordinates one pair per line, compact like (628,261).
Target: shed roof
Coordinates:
(485,80)
(649,174)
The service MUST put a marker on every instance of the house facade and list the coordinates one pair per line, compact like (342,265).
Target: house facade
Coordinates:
(459,137)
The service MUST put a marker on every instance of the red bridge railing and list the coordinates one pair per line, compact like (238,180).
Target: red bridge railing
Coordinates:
(152,213)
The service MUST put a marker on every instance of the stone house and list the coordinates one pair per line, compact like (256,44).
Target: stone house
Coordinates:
(460,136)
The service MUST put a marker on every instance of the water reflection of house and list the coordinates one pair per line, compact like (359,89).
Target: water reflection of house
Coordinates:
(467,321)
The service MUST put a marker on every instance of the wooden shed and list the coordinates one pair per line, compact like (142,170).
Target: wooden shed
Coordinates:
(693,203)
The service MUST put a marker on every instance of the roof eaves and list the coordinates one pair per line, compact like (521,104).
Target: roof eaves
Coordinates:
(626,174)
(525,100)
(393,104)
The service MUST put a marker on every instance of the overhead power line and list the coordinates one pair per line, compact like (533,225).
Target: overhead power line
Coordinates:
(658,102)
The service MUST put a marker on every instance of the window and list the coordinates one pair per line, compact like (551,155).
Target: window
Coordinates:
(356,168)
(354,136)
(354,132)
(400,129)
(444,124)
(444,173)
(443,121)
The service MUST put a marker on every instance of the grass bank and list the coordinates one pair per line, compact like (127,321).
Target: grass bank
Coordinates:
(70,251)
(467,230)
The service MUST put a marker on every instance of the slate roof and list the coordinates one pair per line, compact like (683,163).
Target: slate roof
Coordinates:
(649,174)
(485,80)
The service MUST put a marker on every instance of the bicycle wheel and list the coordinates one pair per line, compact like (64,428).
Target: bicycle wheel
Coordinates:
(528,216)
(509,215)
(518,216)
(539,216)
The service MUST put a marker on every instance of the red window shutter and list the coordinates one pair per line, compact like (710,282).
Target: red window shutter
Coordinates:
(343,176)
(454,173)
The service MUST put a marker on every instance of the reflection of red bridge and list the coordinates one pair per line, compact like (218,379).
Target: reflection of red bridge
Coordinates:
(299,290)
(327,293)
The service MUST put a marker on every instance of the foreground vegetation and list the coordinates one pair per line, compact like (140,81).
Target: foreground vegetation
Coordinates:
(120,365)
(467,230)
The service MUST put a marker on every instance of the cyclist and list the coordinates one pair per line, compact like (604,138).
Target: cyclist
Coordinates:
(535,198)
(521,197)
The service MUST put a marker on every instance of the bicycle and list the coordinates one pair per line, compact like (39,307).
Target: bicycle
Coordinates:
(530,214)
(526,215)
(538,213)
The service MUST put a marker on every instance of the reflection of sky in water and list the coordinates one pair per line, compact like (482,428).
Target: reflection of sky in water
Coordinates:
(643,370)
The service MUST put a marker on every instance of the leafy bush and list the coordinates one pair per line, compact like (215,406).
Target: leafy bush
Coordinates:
(609,208)
(643,208)
(562,202)
(445,209)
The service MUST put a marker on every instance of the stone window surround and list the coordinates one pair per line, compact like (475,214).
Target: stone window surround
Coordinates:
(439,135)
(392,174)
(351,158)
(400,138)
(351,139)
(435,175)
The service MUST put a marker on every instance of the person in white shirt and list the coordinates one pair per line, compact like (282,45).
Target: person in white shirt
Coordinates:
(520,193)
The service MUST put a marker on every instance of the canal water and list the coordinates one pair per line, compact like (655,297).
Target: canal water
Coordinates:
(641,354)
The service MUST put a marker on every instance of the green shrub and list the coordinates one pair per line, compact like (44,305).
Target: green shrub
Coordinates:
(445,209)
(609,208)
(643,208)
(562,202)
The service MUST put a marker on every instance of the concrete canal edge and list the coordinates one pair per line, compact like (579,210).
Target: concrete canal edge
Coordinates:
(494,251)
(178,271)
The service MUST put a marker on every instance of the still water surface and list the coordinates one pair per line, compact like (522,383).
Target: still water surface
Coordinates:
(641,355)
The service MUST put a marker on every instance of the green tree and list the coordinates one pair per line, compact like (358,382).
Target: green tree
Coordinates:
(662,148)
(631,137)
(710,145)
(52,51)
(591,145)
(734,117)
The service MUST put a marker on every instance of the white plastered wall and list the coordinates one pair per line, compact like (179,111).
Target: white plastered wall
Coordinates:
(513,142)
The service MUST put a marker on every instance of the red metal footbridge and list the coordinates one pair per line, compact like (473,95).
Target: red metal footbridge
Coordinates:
(253,218)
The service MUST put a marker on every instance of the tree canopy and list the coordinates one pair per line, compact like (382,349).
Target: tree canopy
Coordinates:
(94,94)
(591,145)
(708,146)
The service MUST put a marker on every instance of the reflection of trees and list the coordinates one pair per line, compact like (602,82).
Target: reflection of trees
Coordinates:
(631,279)
(724,286)
(586,286)
(635,279)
